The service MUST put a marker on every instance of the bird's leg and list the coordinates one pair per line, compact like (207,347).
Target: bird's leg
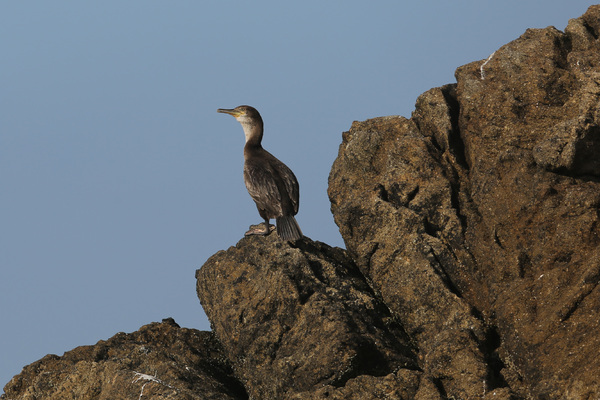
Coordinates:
(268,227)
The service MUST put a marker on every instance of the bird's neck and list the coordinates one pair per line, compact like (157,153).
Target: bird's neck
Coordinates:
(253,132)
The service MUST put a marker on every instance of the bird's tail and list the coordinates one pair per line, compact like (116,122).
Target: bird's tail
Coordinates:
(287,228)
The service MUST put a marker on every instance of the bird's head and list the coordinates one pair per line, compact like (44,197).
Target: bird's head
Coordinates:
(249,118)
(242,113)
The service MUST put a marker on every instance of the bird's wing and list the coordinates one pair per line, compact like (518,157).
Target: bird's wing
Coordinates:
(290,183)
(262,187)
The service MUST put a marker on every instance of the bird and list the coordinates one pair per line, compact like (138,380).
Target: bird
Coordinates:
(271,184)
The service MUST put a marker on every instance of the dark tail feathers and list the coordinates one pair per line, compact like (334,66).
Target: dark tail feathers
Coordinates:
(287,228)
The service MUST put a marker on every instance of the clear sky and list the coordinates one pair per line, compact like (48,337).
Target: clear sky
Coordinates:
(118,177)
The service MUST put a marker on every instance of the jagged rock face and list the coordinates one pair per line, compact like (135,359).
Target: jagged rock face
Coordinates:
(394,203)
(161,360)
(293,319)
(478,219)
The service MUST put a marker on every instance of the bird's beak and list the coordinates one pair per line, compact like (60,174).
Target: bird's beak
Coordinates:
(230,111)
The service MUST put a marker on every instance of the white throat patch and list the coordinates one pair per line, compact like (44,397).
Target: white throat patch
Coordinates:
(246,125)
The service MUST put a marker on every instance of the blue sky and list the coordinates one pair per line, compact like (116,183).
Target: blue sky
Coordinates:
(118,177)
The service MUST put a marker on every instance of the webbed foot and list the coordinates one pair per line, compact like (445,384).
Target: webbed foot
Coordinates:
(260,229)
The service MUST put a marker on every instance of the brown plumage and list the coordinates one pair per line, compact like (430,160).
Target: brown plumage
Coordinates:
(270,183)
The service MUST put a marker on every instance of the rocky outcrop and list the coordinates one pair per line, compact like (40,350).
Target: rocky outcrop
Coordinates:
(295,319)
(478,219)
(406,234)
(471,267)
(161,360)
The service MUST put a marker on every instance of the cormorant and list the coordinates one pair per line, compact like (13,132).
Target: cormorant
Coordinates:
(270,183)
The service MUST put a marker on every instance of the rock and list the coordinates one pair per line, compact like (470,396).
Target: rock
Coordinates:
(159,360)
(478,219)
(530,131)
(394,203)
(397,386)
(293,319)
(570,148)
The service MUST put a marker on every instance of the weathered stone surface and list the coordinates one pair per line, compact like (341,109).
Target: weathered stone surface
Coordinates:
(393,201)
(478,219)
(160,360)
(401,385)
(293,319)
(540,200)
